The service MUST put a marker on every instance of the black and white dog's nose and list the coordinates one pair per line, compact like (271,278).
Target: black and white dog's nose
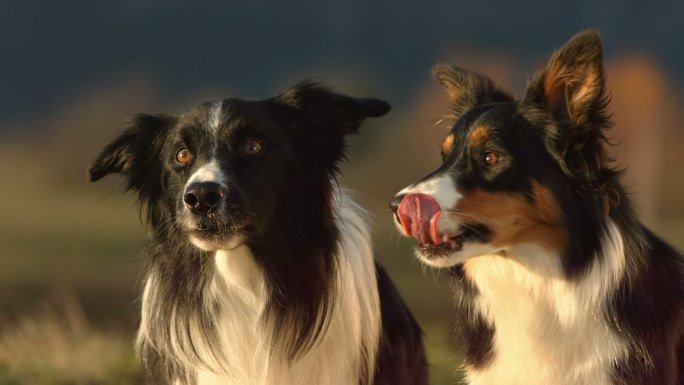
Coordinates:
(203,198)
(395,202)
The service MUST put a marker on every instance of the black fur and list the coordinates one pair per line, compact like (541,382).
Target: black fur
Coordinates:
(468,326)
(280,201)
(555,136)
(401,360)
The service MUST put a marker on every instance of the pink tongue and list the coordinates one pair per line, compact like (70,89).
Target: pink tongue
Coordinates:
(418,214)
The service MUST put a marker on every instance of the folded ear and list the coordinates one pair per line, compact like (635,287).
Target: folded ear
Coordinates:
(322,106)
(467,89)
(136,148)
(570,88)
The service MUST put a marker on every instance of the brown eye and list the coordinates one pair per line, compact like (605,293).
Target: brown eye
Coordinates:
(183,156)
(252,147)
(491,158)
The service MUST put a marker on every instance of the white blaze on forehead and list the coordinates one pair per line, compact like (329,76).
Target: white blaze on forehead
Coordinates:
(442,188)
(210,172)
(216,115)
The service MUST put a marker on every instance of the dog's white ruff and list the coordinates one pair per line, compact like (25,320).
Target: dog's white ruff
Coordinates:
(548,330)
(341,356)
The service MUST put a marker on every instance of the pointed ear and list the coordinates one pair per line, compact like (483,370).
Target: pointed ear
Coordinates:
(134,147)
(570,90)
(570,86)
(467,89)
(322,106)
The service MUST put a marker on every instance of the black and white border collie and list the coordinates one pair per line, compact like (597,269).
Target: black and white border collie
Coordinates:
(555,280)
(260,269)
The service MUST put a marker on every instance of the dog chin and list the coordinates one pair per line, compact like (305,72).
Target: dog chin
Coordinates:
(441,261)
(214,242)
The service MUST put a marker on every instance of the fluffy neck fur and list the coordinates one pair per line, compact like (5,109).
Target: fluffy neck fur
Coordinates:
(228,339)
(544,321)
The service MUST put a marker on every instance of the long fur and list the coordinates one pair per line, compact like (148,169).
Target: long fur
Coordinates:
(273,280)
(236,298)
(555,279)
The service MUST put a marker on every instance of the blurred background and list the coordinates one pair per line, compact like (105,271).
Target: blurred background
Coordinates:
(72,71)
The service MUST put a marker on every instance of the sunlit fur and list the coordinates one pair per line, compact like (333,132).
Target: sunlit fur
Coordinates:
(544,322)
(555,280)
(343,354)
(259,267)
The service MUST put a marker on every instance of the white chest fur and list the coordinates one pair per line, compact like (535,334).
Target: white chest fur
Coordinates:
(341,356)
(547,330)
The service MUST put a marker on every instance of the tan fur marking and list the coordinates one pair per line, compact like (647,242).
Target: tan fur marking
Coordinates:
(552,81)
(448,144)
(514,220)
(558,79)
(479,135)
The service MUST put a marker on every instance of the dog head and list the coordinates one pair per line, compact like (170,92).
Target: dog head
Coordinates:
(237,171)
(516,173)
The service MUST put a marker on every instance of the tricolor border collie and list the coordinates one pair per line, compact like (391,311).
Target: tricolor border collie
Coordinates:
(555,280)
(259,265)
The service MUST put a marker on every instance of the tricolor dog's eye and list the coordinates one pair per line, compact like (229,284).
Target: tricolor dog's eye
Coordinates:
(252,147)
(491,158)
(183,155)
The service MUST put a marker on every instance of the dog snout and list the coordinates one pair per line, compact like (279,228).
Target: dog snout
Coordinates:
(203,198)
(418,214)
(395,202)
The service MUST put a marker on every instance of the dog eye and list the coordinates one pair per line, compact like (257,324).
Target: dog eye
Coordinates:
(491,158)
(183,155)
(252,147)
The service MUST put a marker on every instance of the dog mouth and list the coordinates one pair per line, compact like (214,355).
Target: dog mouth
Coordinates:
(215,231)
(449,243)
(419,216)
(216,227)
(218,236)
(209,232)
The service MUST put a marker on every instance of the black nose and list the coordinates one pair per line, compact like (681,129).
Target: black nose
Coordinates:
(203,198)
(396,201)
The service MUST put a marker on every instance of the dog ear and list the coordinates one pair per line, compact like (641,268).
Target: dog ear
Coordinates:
(570,86)
(467,89)
(135,146)
(570,89)
(321,106)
